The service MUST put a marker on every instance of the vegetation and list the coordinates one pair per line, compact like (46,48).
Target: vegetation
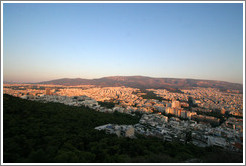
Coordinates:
(150,95)
(215,114)
(106,104)
(174,90)
(55,133)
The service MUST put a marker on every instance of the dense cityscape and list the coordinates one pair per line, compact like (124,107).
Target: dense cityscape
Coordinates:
(202,116)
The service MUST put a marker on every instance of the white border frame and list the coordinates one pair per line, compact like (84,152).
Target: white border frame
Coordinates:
(122,1)
(243,2)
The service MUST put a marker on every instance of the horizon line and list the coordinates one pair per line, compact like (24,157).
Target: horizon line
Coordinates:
(73,78)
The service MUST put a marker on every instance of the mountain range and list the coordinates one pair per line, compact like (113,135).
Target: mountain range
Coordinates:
(143,82)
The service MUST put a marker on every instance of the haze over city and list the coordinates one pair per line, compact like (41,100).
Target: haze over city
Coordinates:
(42,42)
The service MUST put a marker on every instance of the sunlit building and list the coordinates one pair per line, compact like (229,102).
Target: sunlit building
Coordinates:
(48,91)
(176,104)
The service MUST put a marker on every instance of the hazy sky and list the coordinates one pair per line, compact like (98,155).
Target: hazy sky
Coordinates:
(51,41)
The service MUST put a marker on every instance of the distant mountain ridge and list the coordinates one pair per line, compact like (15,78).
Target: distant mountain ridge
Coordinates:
(147,82)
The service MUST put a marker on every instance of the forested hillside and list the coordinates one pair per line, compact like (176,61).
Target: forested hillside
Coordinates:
(51,132)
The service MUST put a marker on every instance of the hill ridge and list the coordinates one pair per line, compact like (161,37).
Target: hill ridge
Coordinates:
(145,82)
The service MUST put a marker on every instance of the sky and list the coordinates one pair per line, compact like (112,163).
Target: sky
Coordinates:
(43,42)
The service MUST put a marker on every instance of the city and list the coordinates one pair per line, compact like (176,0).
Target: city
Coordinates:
(202,116)
(123,82)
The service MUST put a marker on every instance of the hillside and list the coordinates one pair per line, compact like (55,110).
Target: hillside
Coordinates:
(37,132)
(148,82)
